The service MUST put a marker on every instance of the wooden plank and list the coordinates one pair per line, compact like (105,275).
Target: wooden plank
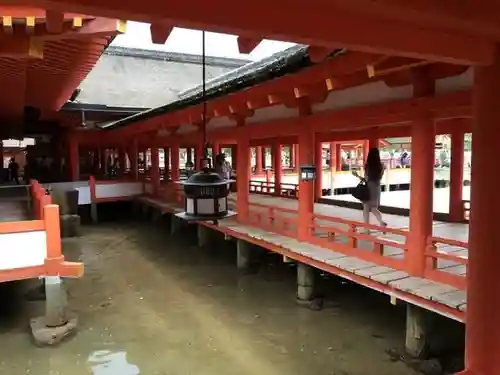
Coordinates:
(428,291)
(410,284)
(386,278)
(349,263)
(374,270)
(460,269)
(452,299)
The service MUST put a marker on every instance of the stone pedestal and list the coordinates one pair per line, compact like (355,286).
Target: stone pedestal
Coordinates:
(70,225)
(175,224)
(417,332)
(203,236)
(56,324)
(306,280)
(246,257)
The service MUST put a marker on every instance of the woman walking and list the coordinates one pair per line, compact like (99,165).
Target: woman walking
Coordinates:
(374,170)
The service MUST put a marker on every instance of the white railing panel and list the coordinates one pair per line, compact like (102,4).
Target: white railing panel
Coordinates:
(25,249)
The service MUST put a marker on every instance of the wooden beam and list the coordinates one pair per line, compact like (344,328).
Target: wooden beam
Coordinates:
(54,22)
(160,32)
(334,24)
(26,47)
(247,45)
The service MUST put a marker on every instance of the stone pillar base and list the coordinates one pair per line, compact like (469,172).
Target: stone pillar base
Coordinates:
(44,335)
(204,236)
(70,226)
(246,257)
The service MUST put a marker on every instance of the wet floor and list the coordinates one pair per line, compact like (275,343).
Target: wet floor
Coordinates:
(152,305)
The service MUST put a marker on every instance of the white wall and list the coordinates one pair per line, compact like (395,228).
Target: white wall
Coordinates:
(119,189)
(18,250)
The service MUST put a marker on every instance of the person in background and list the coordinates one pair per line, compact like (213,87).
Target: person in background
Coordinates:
(14,170)
(374,170)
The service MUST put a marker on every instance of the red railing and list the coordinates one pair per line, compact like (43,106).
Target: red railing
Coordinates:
(446,258)
(39,199)
(287,189)
(447,261)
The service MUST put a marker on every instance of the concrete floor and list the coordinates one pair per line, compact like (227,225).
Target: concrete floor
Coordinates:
(149,304)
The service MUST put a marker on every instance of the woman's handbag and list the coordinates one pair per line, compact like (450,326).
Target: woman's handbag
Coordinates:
(361,192)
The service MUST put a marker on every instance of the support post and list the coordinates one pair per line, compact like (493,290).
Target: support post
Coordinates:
(242,177)
(175,171)
(245,256)
(422,183)
(155,171)
(306,188)
(483,292)
(166,164)
(276,151)
(338,156)
(74,157)
(366,149)
(134,157)
(122,160)
(215,148)
(318,160)
(258,160)
(203,236)
(306,280)
(456,209)
(417,335)
(175,224)
(199,154)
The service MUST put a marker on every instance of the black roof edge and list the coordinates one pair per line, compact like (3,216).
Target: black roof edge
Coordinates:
(86,107)
(289,61)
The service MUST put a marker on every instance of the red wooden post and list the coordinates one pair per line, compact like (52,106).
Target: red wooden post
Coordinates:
(422,183)
(242,173)
(318,160)
(456,208)
(258,160)
(276,153)
(338,156)
(134,157)
(74,157)
(483,293)
(306,189)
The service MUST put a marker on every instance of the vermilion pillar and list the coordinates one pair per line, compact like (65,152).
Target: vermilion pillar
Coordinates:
(74,158)
(373,142)
(174,160)
(318,160)
(155,170)
(242,174)
(338,156)
(306,188)
(122,157)
(258,160)
(483,293)
(422,183)
(199,154)
(457,175)
(366,149)
(134,156)
(296,161)
(276,154)
(215,148)
(166,164)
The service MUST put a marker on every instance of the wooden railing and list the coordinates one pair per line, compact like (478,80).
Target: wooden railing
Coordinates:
(287,189)
(446,259)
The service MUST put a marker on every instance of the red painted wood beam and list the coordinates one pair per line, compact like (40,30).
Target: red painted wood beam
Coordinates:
(160,32)
(98,27)
(338,24)
(247,45)
(23,47)
(318,53)
(54,22)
